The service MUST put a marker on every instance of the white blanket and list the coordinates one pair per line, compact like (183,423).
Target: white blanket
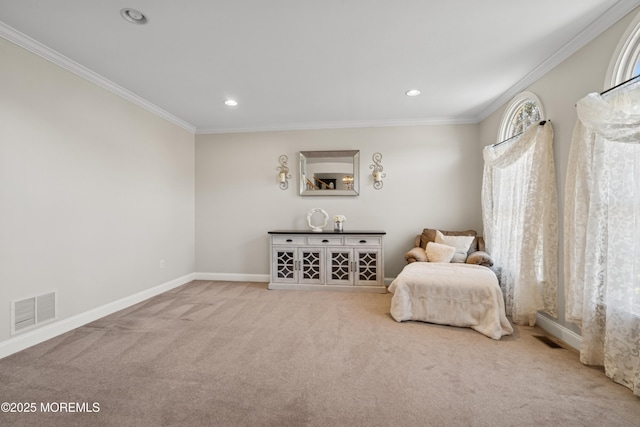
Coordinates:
(450,294)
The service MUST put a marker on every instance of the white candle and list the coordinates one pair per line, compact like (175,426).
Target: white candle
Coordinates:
(283,177)
(377,177)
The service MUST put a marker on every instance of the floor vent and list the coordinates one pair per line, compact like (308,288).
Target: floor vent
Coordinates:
(548,341)
(30,312)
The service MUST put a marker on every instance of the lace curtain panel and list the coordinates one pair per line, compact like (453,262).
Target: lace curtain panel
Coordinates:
(602,233)
(520,218)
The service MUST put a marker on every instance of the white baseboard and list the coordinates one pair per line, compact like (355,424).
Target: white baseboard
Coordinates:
(232,277)
(36,336)
(559,331)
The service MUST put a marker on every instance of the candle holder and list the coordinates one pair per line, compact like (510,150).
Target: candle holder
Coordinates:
(377,171)
(283,175)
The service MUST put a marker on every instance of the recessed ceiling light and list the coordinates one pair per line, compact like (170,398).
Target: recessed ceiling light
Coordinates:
(413,92)
(231,102)
(134,16)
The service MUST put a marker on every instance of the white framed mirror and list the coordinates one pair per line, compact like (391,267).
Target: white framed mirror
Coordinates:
(329,173)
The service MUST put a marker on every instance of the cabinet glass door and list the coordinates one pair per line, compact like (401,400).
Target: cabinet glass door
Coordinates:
(367,261)
(284,261)
(340,267)
(310,266)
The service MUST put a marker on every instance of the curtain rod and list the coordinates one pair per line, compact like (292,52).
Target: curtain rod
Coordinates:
(620,84)
(515,136)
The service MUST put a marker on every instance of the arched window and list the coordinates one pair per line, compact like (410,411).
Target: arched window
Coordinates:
(523,110)
(625,62)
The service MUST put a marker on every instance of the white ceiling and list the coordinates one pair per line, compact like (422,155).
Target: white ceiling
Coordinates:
(296,64)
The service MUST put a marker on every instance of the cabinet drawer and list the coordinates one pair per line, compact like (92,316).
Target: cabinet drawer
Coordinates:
(364,241)
(288,240)
(321,241)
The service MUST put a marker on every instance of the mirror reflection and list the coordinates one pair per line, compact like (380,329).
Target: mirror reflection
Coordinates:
(329,173)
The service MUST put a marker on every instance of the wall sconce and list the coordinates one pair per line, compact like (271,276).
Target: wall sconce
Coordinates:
(377,171)
(283,175)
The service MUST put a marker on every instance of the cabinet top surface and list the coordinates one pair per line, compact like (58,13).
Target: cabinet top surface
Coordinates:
(309,232)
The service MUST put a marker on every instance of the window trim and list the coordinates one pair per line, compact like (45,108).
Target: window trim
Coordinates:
(511,109)
(626,55)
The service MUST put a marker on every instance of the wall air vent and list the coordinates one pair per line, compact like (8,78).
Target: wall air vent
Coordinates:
(30,312)
(548,341)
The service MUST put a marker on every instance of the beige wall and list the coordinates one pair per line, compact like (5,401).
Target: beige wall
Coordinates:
(94,191)
(433,180)
(559,90)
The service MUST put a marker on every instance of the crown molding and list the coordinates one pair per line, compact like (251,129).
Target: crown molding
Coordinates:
(345,125)
(26,42)
(615,13)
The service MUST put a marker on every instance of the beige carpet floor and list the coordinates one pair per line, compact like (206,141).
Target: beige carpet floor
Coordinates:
(237,354)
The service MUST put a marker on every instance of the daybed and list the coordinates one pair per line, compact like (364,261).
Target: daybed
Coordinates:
(448,281)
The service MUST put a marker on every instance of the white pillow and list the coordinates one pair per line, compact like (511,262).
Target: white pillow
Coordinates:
(437,252)
(461,243)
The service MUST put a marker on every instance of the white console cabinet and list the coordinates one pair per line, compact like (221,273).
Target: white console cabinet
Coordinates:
(349,261)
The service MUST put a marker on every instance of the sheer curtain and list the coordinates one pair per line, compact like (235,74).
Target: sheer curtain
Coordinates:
(520,217)
(602,233)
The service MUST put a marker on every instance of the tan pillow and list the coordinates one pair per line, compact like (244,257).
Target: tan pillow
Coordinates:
(437,252)
(416,254)
(460,243)
(480,258)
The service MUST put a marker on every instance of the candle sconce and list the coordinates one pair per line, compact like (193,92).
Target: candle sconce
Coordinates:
(377,171)
(283,175)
